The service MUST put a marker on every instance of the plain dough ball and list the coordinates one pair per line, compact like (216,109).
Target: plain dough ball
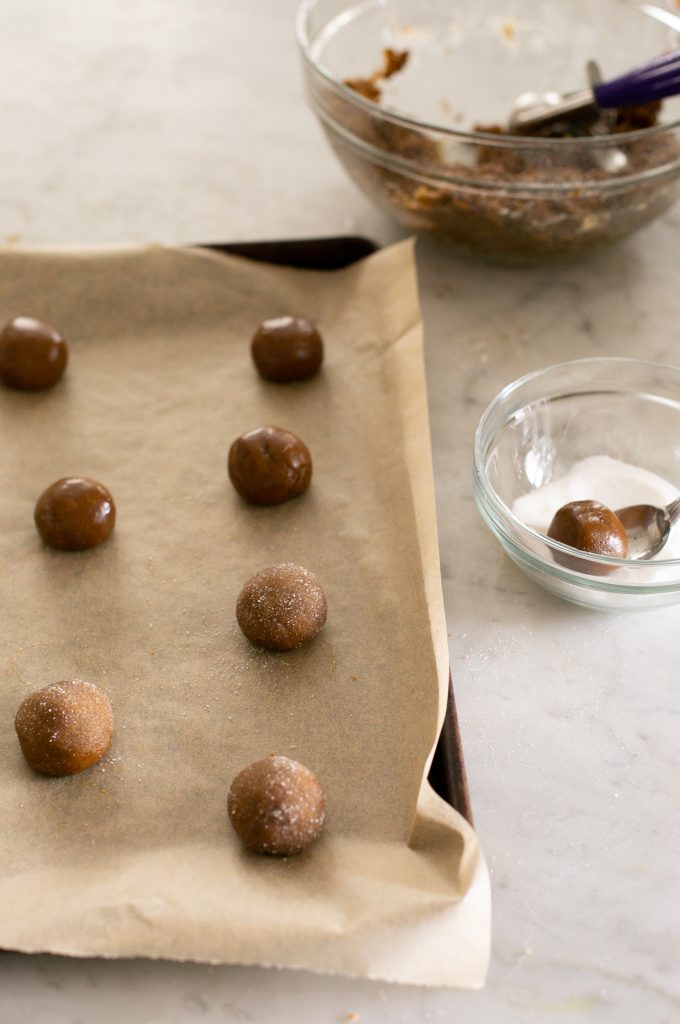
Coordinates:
(287,348)
(65,727)
(588,526)
(75,514)
(33,354)
(281,607)
(269,465)
(277,806)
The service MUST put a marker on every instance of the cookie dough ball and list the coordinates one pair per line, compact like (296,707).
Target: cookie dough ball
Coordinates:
(281,607)
(75,514)
(269,465)
(589,526)
(65,727)
(33,355)
(287,348)
(277,806)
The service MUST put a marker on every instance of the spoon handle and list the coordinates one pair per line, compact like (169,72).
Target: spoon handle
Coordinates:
(644,84)
(673,511)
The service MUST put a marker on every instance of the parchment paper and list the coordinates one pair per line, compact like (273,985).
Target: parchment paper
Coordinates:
(135,857)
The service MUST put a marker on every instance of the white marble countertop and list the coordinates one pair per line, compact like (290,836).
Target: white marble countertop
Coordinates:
(182,121)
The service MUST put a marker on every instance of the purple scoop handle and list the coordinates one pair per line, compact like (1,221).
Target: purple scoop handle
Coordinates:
(652,81)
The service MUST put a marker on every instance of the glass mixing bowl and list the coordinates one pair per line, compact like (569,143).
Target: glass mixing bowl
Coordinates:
(419,155)
(537,428)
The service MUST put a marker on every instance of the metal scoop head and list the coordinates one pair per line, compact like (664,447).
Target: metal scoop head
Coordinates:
(648,528)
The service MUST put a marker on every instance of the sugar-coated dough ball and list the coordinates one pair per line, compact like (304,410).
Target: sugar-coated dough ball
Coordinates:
(75,513)
(277,806)
(269,465)
(33,355)
(281,607)
(65,727)
(287,348)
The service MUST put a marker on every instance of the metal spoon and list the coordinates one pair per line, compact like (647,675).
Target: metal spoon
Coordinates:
(597,122)
(652,81)
(648,527)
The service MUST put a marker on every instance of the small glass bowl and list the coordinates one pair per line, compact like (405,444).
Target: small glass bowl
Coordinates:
(538,427)
(420,155)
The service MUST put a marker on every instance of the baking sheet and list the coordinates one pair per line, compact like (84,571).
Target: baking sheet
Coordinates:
(135,856)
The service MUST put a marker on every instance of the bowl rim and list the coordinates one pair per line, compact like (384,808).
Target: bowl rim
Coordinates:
(503,513)
(488,138)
